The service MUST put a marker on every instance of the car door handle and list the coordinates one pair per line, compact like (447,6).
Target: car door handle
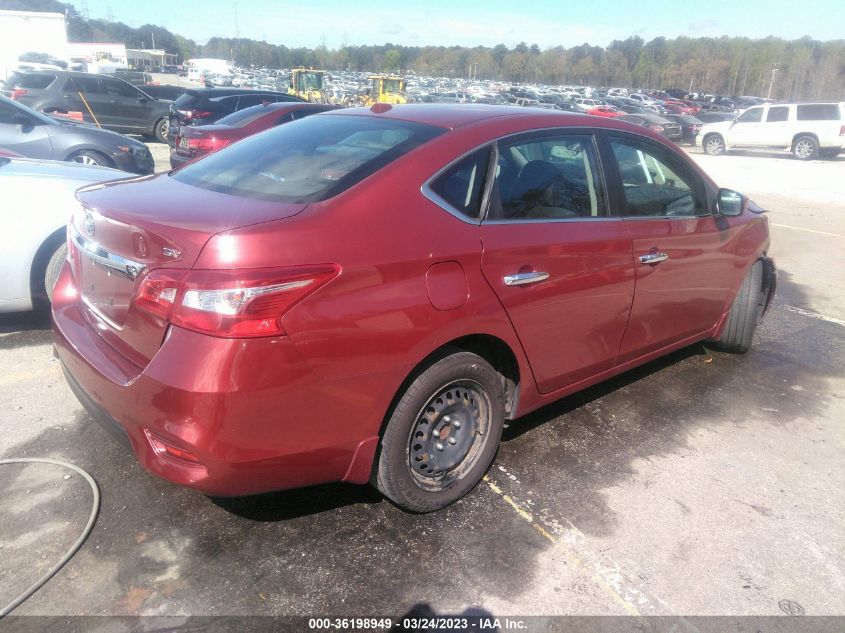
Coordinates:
(653,258)
(521,279)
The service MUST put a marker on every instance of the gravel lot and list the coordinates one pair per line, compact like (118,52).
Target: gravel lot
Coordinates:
(702,483)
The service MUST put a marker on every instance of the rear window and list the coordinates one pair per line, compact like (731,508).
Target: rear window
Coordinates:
(32,82)
(245,116)
(186,101)
(818,112)
(308,160)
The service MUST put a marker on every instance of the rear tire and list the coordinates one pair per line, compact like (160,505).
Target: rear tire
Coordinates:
(54,267)
(805,148)
(90,157)
(442,434)
(713,144)
(745,313)
(161,129)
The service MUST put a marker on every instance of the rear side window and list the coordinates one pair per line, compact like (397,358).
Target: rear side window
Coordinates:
(818,112)
(308,160)
(31,82)
(777,114)
(88,85)
(462,184)
(185,102)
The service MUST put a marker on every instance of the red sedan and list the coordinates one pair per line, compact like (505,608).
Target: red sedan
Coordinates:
(194,142)
(605,111)
(370,294)
(679,106)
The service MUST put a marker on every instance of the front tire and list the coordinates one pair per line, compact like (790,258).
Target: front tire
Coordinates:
(805,148)
(713,144)
(90,157)
(745,313)
(442,434)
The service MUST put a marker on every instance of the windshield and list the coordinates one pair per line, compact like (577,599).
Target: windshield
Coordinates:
(308,160)
(310,81)
(393,85)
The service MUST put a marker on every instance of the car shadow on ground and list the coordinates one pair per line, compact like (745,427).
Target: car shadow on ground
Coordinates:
(22,329)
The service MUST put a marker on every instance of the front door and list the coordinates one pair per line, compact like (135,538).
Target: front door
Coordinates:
(747,130)
(682,253)
(559,264)
(129,107)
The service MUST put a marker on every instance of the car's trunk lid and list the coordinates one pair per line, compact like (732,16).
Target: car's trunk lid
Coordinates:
(120,234)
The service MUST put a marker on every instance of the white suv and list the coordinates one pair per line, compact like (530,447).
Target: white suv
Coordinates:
(808,130)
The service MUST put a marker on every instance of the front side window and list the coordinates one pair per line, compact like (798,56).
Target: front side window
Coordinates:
(752,115)
(654,183)
(553,177)
(462,185)
(777,114)
(309,160)
(116,88)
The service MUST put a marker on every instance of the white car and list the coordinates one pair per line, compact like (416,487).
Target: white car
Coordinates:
(38,197)
(808,130)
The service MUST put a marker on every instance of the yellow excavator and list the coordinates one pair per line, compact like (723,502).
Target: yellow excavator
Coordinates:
(385,89)
(308,84)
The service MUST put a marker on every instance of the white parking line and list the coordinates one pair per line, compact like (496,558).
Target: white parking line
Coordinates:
(798,228)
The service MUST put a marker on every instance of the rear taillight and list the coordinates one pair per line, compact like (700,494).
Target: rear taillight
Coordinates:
(158,291)
(17,93)
(230,303)
(842,131)
(195,114)
(655,127)
(209,144)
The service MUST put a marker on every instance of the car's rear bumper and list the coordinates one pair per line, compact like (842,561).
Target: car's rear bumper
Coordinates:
(250,412)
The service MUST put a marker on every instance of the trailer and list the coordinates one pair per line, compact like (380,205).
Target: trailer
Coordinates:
(23,32)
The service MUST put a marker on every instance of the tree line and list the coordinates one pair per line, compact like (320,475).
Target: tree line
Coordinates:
(792,69)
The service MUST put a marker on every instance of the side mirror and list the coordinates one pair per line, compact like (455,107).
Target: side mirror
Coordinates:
(730,203)
(25,123)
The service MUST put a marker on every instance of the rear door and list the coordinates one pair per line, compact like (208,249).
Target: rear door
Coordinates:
(776,127)
(86,95)
(560,265)
(682,254)
(130,109)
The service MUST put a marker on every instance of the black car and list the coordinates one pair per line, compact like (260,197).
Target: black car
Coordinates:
(689,126)
(715,117)
(103,100)
(201,106)
(36,135)
(164,92)
(658,123)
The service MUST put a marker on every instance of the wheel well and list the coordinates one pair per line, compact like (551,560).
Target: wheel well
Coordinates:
(39,263)
(108,160)
(492,349)
(800,134)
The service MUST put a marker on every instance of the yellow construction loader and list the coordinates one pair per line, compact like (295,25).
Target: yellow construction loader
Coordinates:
(385,89)
(308,84)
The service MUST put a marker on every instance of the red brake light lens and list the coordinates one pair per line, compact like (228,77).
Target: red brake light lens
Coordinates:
(209,144)
(245,303)
(18,92)
(157,292)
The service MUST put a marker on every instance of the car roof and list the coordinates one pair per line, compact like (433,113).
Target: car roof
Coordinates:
(452,116)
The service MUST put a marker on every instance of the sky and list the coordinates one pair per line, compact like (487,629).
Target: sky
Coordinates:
(475,22)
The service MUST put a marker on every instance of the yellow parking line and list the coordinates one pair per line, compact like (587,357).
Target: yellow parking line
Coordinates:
(23,376)
(570,555)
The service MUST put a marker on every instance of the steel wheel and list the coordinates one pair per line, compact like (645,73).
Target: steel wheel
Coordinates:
(442,433)
(443,443)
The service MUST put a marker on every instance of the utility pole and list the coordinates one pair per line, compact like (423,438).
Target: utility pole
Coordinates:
(772,82)
(154,40)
